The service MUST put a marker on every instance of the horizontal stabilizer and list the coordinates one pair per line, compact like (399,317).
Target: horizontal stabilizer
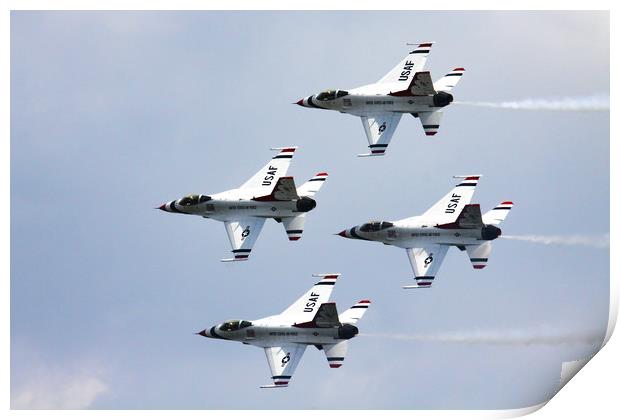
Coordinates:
(294,226)
(430,121)
(497,215)
(479,254)
(336,353)
(313,185)
(447,83)
(355,312)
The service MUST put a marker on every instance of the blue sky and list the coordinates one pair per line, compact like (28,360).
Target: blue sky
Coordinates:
(114,113)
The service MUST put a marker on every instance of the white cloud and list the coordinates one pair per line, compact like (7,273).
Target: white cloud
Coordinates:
(47,389)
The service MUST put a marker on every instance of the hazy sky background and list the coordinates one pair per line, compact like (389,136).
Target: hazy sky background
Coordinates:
(114,113)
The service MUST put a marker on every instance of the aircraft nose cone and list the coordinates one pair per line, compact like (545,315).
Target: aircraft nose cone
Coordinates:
(204,333)
(300,102)
(343,234)
(162,207)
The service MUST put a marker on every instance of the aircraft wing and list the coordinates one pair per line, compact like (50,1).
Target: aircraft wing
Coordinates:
(400,76)
(425,263)
(242,234)
(305,308)
(336,353)
(379,129)
(283,361)
(450,206)
(264,180)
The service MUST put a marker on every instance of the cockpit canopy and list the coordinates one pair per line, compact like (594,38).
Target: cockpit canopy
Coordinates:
(329,95)
(193,199)
(234,325)
(375,226)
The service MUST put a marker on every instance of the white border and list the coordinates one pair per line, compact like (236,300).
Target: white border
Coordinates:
(595,393)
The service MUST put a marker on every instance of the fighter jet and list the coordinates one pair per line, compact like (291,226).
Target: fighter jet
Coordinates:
(452,221)
(268,194)
(406,89)
(311,320)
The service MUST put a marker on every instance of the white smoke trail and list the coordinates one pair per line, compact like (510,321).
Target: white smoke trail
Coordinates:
(593,103)
(594,241)
(503,338)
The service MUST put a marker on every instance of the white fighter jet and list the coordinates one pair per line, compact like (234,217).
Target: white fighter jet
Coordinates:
(406,89)
(452,221)
(311,320)
(268,194)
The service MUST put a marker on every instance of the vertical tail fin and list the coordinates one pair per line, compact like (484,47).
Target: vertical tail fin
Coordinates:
(421,84)
(284,190)
(313,185)
(447,83)
(496,215)
(355,312)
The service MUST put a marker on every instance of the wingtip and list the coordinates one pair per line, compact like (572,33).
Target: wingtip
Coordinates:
(467,176)
(288,148)
(329,275)
(417,44)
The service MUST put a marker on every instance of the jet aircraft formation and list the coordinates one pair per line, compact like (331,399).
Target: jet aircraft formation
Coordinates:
(270,194)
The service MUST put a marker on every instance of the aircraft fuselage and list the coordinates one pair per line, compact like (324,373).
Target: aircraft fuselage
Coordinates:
(264,335)
(368,100)
(233,204)
(409,235)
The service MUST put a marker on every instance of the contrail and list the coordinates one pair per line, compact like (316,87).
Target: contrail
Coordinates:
(503,338)
(592,103)
(594,241)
